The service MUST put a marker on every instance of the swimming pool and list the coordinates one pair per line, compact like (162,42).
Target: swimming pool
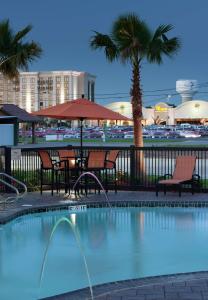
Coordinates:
(120,243)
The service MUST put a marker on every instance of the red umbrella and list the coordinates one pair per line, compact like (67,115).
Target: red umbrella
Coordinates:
(80,109)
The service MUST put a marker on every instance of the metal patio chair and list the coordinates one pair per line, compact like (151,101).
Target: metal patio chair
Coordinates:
(110,165)
(95,163)
(49,164)
(68,162)
(183,174)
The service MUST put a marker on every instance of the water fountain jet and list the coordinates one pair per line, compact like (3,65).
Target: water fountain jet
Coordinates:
(77,237)
(98,181)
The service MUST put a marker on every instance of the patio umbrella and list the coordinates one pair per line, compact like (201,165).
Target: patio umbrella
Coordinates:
(80,109)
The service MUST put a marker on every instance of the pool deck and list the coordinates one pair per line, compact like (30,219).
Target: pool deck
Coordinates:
(192,286)
(34,202)
(189,286)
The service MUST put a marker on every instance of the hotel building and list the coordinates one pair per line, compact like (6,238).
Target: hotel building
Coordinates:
(36,90)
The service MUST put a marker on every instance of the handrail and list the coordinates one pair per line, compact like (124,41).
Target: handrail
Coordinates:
(18,195)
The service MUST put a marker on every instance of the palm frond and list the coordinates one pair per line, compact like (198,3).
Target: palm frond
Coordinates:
(162,30)
(161,45)
(132,40)
(26,54)
(22,33)
(14,53)
(132,36)
(5,38)
(8,68)
(104,42)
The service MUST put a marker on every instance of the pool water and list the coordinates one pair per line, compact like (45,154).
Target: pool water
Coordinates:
(121,243)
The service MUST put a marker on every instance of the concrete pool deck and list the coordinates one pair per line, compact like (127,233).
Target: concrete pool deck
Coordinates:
(188,286)
(171,287)
(34,202)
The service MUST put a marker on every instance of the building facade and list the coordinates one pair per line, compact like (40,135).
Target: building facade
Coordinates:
(189,111)
(36,90)
(192,112)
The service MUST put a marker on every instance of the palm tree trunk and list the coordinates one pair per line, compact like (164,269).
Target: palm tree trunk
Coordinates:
(136,94)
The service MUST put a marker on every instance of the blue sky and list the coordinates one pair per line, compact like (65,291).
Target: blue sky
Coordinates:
(64,27)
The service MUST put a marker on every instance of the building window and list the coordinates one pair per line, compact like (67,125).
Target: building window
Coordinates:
(92,91)
(58,79)
(88,90)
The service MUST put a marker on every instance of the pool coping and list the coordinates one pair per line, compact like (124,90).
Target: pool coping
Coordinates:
(191,285)
(18,211)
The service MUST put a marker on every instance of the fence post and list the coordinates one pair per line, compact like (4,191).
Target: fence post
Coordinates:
(132,165)
(8,168)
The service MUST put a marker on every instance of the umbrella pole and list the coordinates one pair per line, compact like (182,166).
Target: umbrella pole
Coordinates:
(81,140)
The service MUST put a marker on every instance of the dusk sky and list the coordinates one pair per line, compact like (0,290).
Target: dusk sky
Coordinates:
(63,28)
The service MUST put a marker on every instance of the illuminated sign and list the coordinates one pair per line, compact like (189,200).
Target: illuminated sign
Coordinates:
(160,108)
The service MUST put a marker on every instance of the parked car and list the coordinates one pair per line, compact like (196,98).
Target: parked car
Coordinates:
(40,134)
(189,134)
(95,135)
(69,136)
(128,136)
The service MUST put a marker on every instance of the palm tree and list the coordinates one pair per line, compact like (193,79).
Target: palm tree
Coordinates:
(132,41)
(14,53)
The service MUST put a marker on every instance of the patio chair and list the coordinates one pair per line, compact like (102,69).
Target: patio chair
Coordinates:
(183,174)
(69,156)
(110,164)
(95,163)
(48,164)
(69,164)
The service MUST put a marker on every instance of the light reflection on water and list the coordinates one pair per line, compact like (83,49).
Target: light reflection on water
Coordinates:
(120,243)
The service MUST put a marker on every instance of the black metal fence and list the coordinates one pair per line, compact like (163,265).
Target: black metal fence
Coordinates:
(156,162)
(2,159)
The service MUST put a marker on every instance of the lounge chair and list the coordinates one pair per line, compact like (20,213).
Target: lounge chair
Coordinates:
(183,174)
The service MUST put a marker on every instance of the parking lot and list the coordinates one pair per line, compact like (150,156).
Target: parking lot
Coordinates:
(185,134)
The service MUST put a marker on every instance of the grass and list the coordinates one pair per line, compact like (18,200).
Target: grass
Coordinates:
(123,141)
(147,142)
